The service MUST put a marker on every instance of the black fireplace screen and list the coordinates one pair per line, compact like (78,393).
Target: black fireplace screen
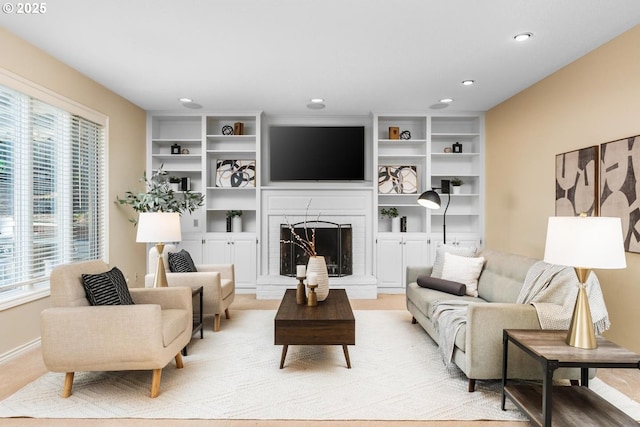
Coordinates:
(333,241)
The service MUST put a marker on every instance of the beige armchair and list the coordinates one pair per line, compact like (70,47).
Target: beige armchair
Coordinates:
(217,281)
(79,337)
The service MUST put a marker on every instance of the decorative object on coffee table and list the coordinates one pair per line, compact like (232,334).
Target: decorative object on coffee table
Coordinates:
(301,295)
(317,266)
(313,300)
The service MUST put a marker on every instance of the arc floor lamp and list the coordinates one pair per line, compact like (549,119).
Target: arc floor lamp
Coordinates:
(431,200)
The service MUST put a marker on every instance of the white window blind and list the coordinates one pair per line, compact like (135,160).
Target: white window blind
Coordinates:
(51,189)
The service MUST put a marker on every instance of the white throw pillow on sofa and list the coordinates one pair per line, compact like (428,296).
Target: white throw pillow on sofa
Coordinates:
(467,251)
(464,270)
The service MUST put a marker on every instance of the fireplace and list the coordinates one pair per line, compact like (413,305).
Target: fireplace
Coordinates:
(333,241)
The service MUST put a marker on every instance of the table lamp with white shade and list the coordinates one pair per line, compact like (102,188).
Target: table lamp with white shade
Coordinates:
(584,243)
(159,228)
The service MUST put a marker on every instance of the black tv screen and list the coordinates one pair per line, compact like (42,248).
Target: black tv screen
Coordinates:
(326,153)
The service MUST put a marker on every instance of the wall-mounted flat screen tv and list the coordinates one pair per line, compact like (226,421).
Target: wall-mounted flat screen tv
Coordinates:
(321,153)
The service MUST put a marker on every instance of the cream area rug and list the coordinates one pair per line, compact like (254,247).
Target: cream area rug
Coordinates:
(397,374)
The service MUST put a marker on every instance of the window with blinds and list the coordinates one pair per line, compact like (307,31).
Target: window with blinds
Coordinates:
(51,190)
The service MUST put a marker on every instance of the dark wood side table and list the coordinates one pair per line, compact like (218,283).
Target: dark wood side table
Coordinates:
(197,321)
(572,405)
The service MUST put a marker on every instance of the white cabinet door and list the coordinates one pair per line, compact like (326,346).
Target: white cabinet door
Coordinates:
(217,249)
(192,243)
(415,253)
(244,256)
(239,249)
(389,261)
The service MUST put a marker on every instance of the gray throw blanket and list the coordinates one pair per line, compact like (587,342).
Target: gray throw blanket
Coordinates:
(550,288)
(448,316)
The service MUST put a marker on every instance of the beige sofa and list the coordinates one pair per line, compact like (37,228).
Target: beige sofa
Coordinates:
(478,343)
(79,337)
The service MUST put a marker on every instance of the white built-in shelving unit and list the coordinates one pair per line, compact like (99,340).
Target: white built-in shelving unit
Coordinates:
(429,149)
(203,144)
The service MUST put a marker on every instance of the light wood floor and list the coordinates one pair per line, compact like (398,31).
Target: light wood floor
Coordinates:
(21,370)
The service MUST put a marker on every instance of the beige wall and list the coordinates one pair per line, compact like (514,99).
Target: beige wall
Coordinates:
(593,100)
(127,130)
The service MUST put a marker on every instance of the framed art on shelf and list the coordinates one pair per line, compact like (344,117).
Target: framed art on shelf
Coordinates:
(395,179)
(577,182)
(236,173)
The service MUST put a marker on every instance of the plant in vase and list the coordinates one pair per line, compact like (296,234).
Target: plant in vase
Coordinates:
(160,197)
(392,214)
(235,218)
(316,267)
(174,183)
(456,183)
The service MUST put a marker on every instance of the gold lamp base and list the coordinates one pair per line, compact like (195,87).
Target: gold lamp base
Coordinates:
(581,332)
(160,280)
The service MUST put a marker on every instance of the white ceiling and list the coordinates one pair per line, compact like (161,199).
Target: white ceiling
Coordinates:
(359,55)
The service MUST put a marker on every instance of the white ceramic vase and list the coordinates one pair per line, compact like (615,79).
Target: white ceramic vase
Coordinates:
(395,224)
(318,265)
(456,189)
(236,224)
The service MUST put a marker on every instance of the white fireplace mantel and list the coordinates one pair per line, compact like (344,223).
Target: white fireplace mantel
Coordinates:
(348,206)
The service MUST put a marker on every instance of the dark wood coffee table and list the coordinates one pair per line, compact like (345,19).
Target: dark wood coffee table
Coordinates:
(331,322)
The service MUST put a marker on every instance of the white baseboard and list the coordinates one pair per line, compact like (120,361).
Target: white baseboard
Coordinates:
(19,350)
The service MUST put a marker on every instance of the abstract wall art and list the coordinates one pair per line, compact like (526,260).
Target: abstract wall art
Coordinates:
(619,187)
(577,182)
(236,173)
(396,179)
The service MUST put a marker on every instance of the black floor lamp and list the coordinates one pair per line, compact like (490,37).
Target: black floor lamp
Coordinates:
(431,200)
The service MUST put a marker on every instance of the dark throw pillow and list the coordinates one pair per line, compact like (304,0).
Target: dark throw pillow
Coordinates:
(181,262)
(108,288)
(447,286)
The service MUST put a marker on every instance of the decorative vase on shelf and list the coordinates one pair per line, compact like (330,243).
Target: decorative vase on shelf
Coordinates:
(318,266)
(395,224)
(236,224)
(456,189)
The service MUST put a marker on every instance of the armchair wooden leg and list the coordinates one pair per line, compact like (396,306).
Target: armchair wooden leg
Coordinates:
(472,385)
(413,321)
(226,313)
(179,364)
(68,384)
(216,323)
(155,382)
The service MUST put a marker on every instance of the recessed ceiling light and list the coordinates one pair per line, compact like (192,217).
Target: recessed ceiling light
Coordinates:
(446,100)
(468,82)
(317,100)
(522,37)
(185,100)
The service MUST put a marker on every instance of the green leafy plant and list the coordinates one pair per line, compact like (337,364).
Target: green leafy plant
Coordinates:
(390,213)
(456,182)
(231,214)
(159,197)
